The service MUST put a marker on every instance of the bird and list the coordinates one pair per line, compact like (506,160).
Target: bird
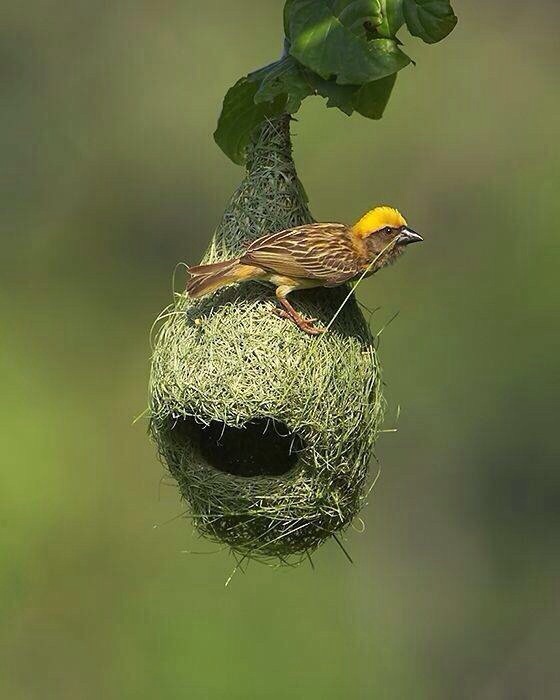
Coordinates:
(312,255)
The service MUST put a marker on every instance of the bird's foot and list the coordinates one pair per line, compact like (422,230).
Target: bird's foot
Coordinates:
(305,325)
(309,328)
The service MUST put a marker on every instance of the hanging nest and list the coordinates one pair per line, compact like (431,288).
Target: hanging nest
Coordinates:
(268,431)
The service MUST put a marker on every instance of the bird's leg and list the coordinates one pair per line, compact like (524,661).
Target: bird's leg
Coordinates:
(289,312)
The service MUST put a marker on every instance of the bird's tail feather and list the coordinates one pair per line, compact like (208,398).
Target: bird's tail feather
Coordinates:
(207,278)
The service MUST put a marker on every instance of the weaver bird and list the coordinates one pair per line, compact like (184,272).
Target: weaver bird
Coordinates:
(313,255)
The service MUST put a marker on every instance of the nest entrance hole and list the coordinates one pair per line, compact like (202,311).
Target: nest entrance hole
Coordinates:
(261,447)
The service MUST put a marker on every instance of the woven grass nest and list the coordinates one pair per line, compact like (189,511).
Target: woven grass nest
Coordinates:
(268,431)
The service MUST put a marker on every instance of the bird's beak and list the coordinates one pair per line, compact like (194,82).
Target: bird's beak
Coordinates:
(407,236)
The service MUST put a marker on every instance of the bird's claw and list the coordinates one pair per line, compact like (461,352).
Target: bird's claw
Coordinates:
(310,329)
(305,325)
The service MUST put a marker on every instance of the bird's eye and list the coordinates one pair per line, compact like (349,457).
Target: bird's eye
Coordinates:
(388,229)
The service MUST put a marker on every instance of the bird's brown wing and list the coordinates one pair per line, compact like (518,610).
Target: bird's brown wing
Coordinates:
(315,251)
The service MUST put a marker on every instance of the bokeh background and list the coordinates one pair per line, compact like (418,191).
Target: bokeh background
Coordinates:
(110,177)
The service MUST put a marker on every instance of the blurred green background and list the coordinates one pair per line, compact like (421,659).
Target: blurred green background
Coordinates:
(110,176)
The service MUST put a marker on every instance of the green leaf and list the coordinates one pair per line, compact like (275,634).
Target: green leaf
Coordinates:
(240,115)
(329,37)
(358,15)
(371,99)
(392,17)
(340,96)
(284,77)
(287,14)
(431,20)
(279,87)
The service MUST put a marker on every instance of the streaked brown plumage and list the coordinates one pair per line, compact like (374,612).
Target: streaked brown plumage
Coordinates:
(313,255)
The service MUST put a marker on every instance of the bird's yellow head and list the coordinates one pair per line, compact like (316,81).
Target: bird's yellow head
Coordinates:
(385,235)
(378,219)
